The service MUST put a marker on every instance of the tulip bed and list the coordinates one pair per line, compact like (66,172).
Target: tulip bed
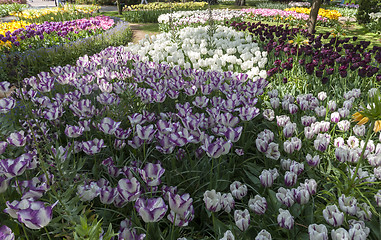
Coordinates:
(232,130)
(49,34)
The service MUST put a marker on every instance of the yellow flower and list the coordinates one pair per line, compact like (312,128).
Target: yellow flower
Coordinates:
(377,126)
(358,117)
(290,41)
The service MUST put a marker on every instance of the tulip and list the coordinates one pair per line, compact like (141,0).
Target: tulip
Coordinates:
(212,200)
(34,214)
(273,151)
(377,198)
(6,233)
(258,204)
(242,219)
(289,129)
(93,146)
(358,230)
(301,194)
(364,213)
(344,125)
(348,204)
(182,211)
(285,219)
(238,190)
(282,120)
(151,210)
(285,196)
(317,232)
(313,161)
(267,177)
(339,234)
(333,216)
(7,104)
(263,235)
(17,139)
(88,192)
(151,174)
(15,167)
(290,178)
(73,131)
(129,189)
(228,235)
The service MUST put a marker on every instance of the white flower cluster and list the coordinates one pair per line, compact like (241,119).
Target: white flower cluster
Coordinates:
(299,4)
(199,16)
(232,51)
(375,16)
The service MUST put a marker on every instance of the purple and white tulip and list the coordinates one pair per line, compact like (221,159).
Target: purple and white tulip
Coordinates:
(317,232)
(333,216)
(34,214)
(6,233)
(212,200)
(258,204)
(93,146)
(17,139)
(129,189)
(152,209)
(238,190)
(285,219)
(263,235)
(242,219)
(108,126)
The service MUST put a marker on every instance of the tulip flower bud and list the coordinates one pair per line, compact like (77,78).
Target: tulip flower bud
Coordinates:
(258,204)
(333,216)
(290,178)
(322,96)
(313,161)
(152,209)
(344,125)
(238,190)
(267,177)
(364,213)
(227,202)
(335,117)
(285,196)
(359,130)
(285,219)
(339,234)
(318,232)
(212,200)
(348,204)
(263,235)
(242,219)
(6,233)
(228,235)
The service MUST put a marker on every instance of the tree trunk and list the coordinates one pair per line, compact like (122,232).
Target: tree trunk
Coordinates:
(119,5)
(313,15)
(240,2)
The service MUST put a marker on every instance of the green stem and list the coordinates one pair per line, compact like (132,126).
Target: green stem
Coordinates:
(173,227)
(47,233)
(26,234)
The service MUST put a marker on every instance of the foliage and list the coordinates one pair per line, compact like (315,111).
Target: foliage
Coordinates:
(366,7)
(5,9)
(375,22)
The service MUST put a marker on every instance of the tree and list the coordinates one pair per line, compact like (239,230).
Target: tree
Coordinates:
(240,2)
(119,5)
(313,15)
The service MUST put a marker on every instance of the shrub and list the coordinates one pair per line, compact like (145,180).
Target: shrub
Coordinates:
(366,7)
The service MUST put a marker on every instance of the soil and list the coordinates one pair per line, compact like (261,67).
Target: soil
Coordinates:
(139,34)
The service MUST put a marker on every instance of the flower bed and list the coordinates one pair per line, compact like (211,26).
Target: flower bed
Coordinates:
(16,64)
(330,14)
(223,50)
(6,9)
(183,19)
(148,13)
(277,15)
(49,34)
(65,13)
(324,57)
